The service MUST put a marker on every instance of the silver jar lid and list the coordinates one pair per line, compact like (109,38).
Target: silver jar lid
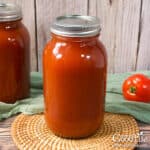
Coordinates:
(76,26)
(9,12)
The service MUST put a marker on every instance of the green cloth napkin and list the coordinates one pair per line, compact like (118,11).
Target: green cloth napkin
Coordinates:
(114,100)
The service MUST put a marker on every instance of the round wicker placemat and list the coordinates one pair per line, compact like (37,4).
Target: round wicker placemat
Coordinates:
(117,132)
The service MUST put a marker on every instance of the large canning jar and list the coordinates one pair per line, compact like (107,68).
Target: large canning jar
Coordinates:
(14,55)
(74,69)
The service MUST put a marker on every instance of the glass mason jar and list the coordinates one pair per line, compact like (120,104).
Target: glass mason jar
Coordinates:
(14,55)
(74,69)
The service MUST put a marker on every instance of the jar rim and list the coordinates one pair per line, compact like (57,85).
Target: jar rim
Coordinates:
(76,26)
(9,12)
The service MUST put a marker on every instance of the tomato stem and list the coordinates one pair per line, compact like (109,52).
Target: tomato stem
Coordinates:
(132,89)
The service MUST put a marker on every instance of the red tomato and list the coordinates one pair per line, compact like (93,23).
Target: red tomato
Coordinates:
(137,88)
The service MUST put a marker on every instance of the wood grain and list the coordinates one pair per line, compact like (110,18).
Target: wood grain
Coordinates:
(46,12)
(125,28)
(6,142)
(92,7)
(143,61)
(120,26)
(29,21)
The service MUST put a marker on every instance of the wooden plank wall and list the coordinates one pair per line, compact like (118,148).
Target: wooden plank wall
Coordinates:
(46,14)
(125,28)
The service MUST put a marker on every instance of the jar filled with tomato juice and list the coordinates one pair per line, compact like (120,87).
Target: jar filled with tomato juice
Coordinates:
(74,69)
(14,55)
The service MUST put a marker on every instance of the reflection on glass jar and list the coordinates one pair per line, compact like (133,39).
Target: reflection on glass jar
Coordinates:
(74,69)
(14,55)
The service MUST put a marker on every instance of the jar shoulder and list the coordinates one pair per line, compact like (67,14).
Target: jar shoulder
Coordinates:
(75,53)
(92,47)
(14,33)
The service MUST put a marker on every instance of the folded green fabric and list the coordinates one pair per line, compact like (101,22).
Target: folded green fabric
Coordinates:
(31,105)
(114,99)
(115,102)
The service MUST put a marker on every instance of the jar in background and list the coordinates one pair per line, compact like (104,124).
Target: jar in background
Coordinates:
(14,55)
(74,69)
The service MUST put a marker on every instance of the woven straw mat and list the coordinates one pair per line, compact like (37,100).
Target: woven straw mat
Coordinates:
(118,132)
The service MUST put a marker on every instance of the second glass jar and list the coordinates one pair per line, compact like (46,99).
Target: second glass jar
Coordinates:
(14,55)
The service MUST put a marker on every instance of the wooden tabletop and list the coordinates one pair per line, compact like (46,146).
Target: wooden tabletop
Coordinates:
(6,142)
